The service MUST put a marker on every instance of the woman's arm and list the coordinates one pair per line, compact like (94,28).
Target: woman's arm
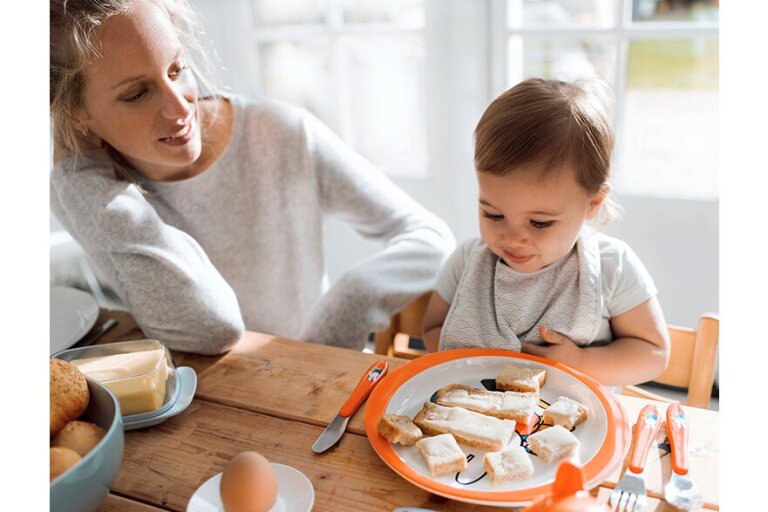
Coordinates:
(415,243)
(167,281)
(638,353)
(431,326)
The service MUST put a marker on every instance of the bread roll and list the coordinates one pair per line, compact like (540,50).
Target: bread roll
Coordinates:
(62,459)
(69,394)
(80,436)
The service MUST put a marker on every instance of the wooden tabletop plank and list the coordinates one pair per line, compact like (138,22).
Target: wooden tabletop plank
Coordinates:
(165,464)
(288,378)
(113,503)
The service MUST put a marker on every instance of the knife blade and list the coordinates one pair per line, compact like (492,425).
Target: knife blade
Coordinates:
(335,430)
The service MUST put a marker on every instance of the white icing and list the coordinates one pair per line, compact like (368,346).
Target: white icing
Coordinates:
(471,425)
(511,463)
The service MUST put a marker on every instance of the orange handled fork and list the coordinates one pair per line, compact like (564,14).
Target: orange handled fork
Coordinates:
(680,491)
(630,494)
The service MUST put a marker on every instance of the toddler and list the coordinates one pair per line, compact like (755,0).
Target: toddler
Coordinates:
(538,279)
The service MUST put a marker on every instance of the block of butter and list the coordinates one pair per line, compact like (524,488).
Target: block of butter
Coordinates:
(136,378)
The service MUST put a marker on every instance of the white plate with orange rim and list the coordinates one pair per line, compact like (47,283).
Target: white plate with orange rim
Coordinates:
(294,492)
(604,436)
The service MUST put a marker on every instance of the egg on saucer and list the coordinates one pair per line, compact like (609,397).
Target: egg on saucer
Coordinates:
(248,484)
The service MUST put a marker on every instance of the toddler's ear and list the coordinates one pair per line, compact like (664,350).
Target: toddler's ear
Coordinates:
(597,201)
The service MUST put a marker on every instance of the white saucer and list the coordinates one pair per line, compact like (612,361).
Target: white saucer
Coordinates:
(73,313)
(294,492)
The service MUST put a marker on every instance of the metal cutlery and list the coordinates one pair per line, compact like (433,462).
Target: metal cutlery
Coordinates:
(95,335)
(630,494)
(335,430)
(680,491)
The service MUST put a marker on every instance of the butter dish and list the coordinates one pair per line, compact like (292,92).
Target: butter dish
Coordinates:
(186,384)
(141,374)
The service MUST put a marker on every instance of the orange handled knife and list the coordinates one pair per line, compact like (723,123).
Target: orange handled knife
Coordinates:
(335,430)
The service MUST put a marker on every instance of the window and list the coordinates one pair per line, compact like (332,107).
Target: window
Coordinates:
(661,59)
(372,70)
(358,65)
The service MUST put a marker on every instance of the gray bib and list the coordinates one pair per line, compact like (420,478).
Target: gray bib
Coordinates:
(497,307)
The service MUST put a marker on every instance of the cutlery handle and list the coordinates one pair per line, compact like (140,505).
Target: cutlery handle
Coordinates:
(371,377)
(677,432)
(645,432)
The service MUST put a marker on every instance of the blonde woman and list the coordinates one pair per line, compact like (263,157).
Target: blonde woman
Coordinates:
(205,210)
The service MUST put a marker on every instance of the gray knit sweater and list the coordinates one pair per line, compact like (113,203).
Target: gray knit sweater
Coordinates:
(240,246)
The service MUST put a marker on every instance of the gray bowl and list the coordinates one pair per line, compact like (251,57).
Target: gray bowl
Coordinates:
(84,486)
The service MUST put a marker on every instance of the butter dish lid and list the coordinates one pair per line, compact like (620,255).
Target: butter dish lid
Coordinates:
(186,384)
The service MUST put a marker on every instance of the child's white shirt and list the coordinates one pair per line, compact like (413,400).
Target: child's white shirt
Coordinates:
(624,281)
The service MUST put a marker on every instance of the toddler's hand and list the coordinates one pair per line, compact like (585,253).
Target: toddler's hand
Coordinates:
(560,348)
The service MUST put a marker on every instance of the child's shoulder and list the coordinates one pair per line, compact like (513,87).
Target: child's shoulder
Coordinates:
(618,261)
(611,247)
(465,249)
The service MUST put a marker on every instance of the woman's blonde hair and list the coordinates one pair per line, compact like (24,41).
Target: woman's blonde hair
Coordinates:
(545,125)
(72,46)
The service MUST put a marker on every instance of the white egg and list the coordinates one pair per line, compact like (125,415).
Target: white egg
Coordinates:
(248,484)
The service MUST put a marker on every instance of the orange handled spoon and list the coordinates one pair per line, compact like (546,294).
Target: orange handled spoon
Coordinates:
(680,491)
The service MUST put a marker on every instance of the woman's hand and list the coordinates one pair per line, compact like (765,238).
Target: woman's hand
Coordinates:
(560,348)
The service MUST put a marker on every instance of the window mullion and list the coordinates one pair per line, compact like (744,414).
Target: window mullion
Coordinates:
(623,20)
(498,45)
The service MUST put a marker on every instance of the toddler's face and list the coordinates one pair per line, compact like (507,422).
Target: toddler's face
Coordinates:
(529,221)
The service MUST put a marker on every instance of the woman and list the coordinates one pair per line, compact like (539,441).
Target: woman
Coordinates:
(205,211)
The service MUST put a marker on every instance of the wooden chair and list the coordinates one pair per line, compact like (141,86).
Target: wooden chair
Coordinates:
(395,339)
(691,362)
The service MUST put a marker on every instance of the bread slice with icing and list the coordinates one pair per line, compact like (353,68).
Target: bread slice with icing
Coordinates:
(553,444)
(468,427)
(565,412)
(506,405)
(442,454)
(399,429)
(512,463)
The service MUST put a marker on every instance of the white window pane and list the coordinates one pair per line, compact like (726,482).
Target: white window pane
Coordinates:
(676,10)
(384,107)
(564,59)
(407,14)
(299,73)
(670,123)
(280,12)
(561,13)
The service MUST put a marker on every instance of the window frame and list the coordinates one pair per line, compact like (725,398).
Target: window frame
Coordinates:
(623,31)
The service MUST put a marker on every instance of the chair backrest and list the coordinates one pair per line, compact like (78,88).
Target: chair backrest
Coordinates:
(407,321)
(692,359)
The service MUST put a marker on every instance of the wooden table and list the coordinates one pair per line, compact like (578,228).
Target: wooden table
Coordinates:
(275,396)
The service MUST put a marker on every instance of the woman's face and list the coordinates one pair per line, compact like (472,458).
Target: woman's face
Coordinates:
(140,96)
